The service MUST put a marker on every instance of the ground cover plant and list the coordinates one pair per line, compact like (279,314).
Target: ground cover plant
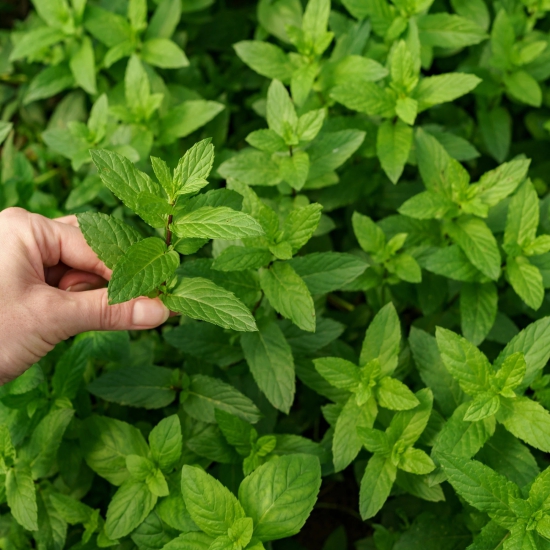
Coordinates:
(347,202)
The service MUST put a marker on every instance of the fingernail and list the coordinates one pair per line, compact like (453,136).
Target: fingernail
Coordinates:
(80,287)
(149,313)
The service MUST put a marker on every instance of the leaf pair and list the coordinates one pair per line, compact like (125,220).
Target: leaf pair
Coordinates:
(273,502)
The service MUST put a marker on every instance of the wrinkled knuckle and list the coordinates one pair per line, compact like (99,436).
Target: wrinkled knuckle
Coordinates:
(13,213)
(114,317)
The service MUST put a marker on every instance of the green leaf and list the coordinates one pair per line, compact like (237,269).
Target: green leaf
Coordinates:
(365,97)
(338,372)
(496,128)
(69,369)
(324,272)
(497,184)
(54,12)
(163,53)
(527,420)
(371,238)
(265,58)
(416,461)
(206,394)
(281,114)
(346,443)
(106,443)
(270,360)
(427,358)
(165,441)
(534,344)
(194,167)
(82,65)
(130,505)
(478,310)
(483,405)
(523,87)
(21,497)
(481,487)
(251,167)
(49,82)
(407,426)
(187,117)
(289,295)
(330,150)
(33,41)
(40,451)
(461,438)
(120,176)
(523,216)
(190,541)
(211,505)
(144,266)
(164,20)
(382,340)
(148,387)
(376,485)
(280,495)
(478,243)
(464,361)
(202,299)
(393,144)
(294,169)
(445,30)
(239,258)
(526,280)
(393,394)
(443,88)
(216,223)
(300,225)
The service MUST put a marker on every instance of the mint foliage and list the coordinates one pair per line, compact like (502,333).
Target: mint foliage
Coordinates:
(347,206)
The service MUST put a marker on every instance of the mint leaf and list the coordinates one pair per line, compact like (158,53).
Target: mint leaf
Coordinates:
(120,177)
(376,485)
(109,237)
(202,299)
(130,505)
(270,360)
(222,222)
(144,266)
(280,495)
(212,506)
(148,387)
(289,295)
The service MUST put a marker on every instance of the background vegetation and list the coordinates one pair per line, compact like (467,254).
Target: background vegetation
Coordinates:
(365,171)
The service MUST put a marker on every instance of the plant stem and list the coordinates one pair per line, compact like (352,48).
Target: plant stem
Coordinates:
(290,150)
(169,231)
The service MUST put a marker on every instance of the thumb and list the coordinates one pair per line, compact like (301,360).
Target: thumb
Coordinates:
(90,310)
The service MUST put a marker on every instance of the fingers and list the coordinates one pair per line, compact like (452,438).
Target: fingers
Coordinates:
(62,241)
(77,281)
(69,220)
(84,311)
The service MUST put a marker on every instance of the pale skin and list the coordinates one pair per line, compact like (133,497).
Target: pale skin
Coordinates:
(52,287)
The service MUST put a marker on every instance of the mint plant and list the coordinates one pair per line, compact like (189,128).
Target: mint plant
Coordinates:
(147,266)
(361,270)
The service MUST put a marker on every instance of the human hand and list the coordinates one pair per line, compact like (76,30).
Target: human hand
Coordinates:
(42,259)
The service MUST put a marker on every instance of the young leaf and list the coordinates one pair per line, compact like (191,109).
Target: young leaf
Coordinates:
(382,340)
